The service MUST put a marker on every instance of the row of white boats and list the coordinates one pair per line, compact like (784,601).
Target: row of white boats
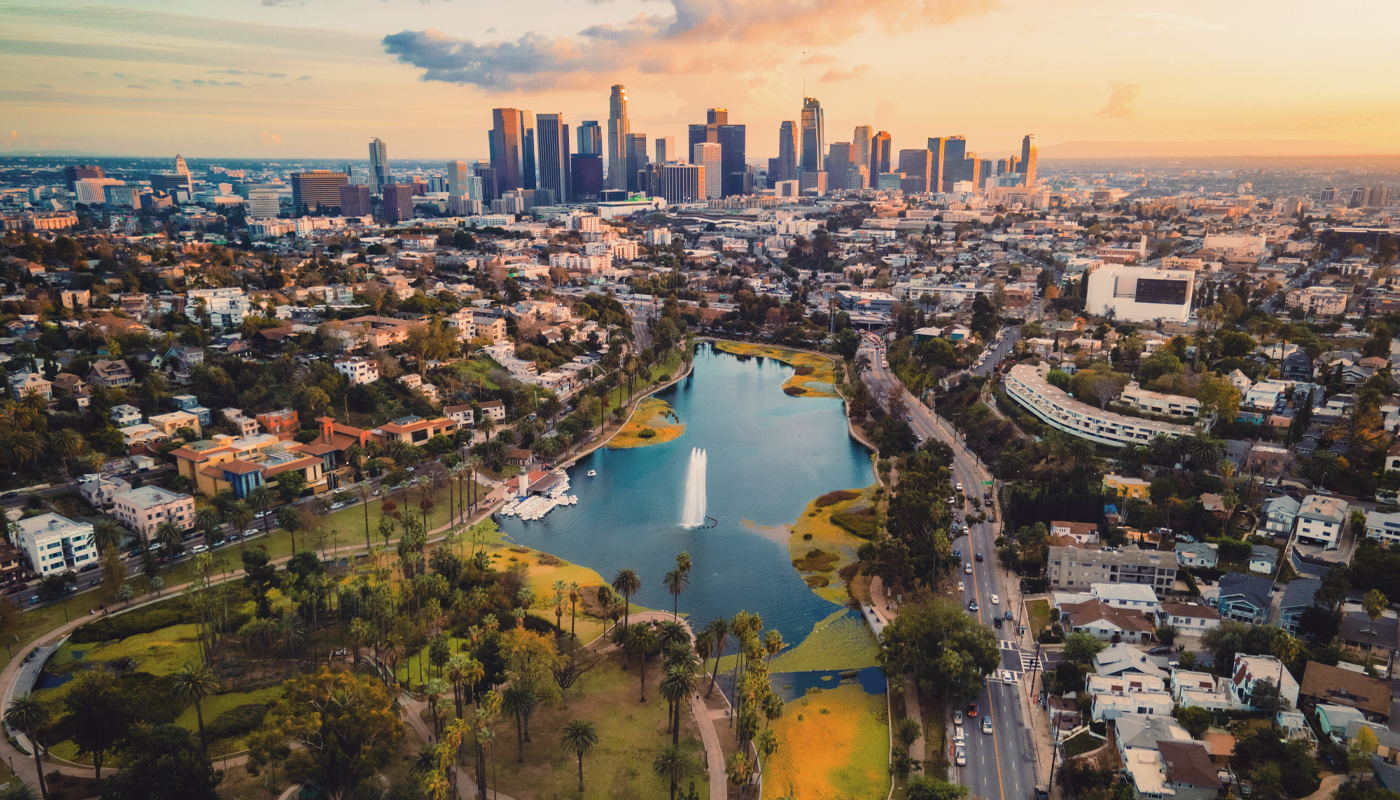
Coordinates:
(536,506)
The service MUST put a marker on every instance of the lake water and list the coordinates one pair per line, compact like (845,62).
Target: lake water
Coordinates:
(769,455)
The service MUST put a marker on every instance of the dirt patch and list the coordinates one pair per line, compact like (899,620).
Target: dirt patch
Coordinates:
(773,533)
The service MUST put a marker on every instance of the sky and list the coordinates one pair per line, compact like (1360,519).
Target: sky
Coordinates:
(287,79)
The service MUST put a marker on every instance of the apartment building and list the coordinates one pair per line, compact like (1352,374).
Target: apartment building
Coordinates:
(1318,300)
(282,423)
(495,409)
(1384,528)
(414,430)
(23,384)
(358,370)
(56,544)
(1073,569)
(460,415)
(1167,405)
(1028,386)
(1322,520)
(369,331)
(170,424)
(145,509)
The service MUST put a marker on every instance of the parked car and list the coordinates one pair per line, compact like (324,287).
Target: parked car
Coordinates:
(961,758)
(996,622)
(1010,617)
(250,532)
(199,548)
(337,506)
(957,717)
(987,725)
(1160,651)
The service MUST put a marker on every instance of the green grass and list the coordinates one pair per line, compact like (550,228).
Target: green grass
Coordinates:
(1081,744)
(347,525)
(479,369)
(1038,616)
(837,642)
(630,735)
(218,704)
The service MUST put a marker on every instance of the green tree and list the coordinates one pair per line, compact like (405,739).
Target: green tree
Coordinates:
(1194,719)
(519,701)
(101,713)
(192,684)
(947,648)
(580,737)
(29,715)
(162,763)
(672,765)
(1080,648)
(921,788)
(627,583)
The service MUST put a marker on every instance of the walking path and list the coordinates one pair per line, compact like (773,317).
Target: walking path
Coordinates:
(888,612)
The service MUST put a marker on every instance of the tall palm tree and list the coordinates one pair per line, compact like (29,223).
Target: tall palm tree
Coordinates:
(28,715)
(683,563)
(1374,604)
(559,588)
(719,629)
(671,765)
(66,443)
(642,642)
(192,684)
(573,607)
(678,685)
(1202,450)
(208,519)
(106,534)
(170,537)
(580,737)
(627,583)
(519,701)
(240,516)
(290,519)
(262,499)
(676,582)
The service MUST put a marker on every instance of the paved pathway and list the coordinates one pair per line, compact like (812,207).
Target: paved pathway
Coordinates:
(1329,787)
(888,612)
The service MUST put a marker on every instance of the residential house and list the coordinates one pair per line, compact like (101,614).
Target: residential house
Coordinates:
(99,491)
(1190,774)
(1244,598)
(1126,487)
(1334,720)
(1141,732)
(1322,521)
(1199,689)
(460,415)
(1249,670)
(143,510)
(124,415)
(282,423)
(1323,683)
(1296,368)
(1128,596)
(23,384)
(1384,528)
(1377,638)
(1190,620)
(1123,659)
(190,403)
(1195,554)
(170,424)
(56,544)
(1297,597)
(414,430)
(1280,514)
(110,374)
(1082,532)
(246,426)
(495,409)
(1105,622)
(1263,559)
(1112,706)
(358,370)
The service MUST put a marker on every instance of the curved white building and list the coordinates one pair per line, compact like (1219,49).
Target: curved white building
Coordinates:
(1027,385)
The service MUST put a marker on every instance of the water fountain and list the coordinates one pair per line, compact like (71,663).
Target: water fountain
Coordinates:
(693,511)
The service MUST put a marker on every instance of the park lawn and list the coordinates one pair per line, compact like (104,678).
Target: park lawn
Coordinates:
(832,539)
(819,382)
(654,415)
(160,652)
(1037,616)
(837,642)
(218,704)
(541,581)
(349,522)
(667,367)
(833,744)
(630,735)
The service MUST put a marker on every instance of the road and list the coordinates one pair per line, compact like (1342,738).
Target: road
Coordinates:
(1001,764)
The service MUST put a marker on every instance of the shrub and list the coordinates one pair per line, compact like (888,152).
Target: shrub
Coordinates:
(237,721)
(817,581)
(804,370)
(647,433)
(794,391)
(857,521)
(838,496)
(806,537)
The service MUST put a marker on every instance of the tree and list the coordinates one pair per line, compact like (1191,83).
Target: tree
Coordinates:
(1374,604)
(162,763)
(262,499)
(102,714)
(192,684)
(719,630)
(921,788)
(210,521)
(1194,719)
(170,538)
(519,701)
(1080,648)
(626,583)
(580,737)
(346,724)
(947,648)
(291,483)
(29,715)
(17,790)
(676,582)
(260,577)
(671,765)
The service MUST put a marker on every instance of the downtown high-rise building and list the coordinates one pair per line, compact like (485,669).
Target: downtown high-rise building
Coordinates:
(81,172)
(512,151)
(733,157)
(838,162)
(355,200)
(378,165)
(813,135)
(666,150)
(317,190)
(954,153)
(397,205)
(677,182)
(788,149)
(181,168)
(1030,152)
(917,166)
(861,144)
(552,138)
(879,155)
(586,175)
(636,161)
(590,138)
(618,128)
(708,155)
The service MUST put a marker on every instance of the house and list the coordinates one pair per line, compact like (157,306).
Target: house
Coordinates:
(1322,520)
(517,457)
(145,509)
(241,464)
(68,383)
(1280,514)
(56,544)
(282,423)
(99,491)
(1334,720)
(1336,686)
(1190,620)
(124,415)
(1105,622)
(1141,732)
(1126,487)
(24,384)
(1190,774)
(1384,528)
(171,424)
(414,430)
(1244,598)
(1214,504)
(246,426)
(358,370)
(495,409)
(110,374)
(1249,670)
(190,403)
(1364,636)
(1199,689)
(1195,554)
(1297,597)
(1113,706)
(1082,532)
(460,415)
(1296,368)
(1129,596)
(1263,559)
(1122,659)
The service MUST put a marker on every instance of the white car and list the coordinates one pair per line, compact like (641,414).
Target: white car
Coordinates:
(959,486)
(958,737)
(199,548)
(996,600)
(251,532)
(967,567)
(1007,677)
(337,506)
(957,717)
(961,587)
(961,758)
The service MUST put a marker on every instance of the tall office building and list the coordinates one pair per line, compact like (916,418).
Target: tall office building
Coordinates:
(1030,152)
(590,138)
(813,135)
(397,205)
(586,174)
(636,161)
(618,128)
(180,166)
(490,187)
(954,152)
(972,171)
(529,168)
(666,150)
(838,161)
(378,165)
(717,116)
(552,134)
(316,190)
(917,166)
(80,172)
(708,155)
(879,154)
(459,180)
(355,200)
(508,148)
(860,146)
(788,148)
(677,182)
(733,155)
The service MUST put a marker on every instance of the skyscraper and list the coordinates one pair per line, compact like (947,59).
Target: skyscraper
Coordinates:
(618,128)
(860,146)
(553,138)
(1030,152)
(490,187)
(677,182)
(78,172)
(529,170)
(707,155)
(586,173)
(813,135)
(636,161)
(378,165)
(733,156)
(917,166)
(398,202)
(180,165)
(354,201)
(788,148)
(508,148)
(717,116)
(838,161)
(590,138)
(317,189)
(954,152)
(666,150)
(879,155)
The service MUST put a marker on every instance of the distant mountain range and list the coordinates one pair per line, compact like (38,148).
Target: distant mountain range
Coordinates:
(1212,148)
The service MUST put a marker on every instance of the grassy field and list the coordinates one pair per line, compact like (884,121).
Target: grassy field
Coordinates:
(815,374)
(1037,616)
(832,745)
(478,370)
(630,735)
(218,704)
(837,642)
(815,529)
(654,415)
(348,524)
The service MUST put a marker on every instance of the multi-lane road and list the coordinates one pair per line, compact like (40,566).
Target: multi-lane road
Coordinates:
(1001,764)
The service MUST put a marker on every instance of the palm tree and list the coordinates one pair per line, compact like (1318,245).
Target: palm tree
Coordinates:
(28,715)
(627,583)
(559,588)
(573,607)
(678,684)
(208,519)
(192,684)
(580,737)
(290,519)
(676,582)
(125,593)
(67,443)
(262,499)
(240,516)
(719,629)
(106,534)
(641,642)
(1373,603)
(434,689)
(1203,450)
(671,765)
(1161,450)
(1285,648)
(683,563)
(169,536)
(17,790)
(672,633)
(519,701)
(1324,466)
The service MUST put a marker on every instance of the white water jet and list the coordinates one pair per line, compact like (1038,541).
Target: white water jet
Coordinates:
(693,512)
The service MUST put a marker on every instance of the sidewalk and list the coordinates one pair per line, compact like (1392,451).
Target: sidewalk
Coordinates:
(888,612)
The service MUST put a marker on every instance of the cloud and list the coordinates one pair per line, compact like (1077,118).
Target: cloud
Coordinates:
(14,136)
(838,74)
(818,59)
(138,86)
(270,138)
(1122,101)
(304,78)
(698,37)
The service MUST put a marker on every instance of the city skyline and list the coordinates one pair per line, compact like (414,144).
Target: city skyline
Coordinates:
(288,80)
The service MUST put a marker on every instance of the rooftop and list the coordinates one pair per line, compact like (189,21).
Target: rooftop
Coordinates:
(147,496)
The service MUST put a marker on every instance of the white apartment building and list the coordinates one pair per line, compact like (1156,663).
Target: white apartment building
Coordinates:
(657,237)
(495,409)
(358,370)
(1322,520)
(1384,528)
(1167,405)
(1140,294)
(56,544)
(225,307)
(1027,385)
(1236,246)
(143,510)
(1133,597)
(1318,300)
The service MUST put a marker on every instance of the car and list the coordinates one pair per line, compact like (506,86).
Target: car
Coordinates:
(154,546)
(979,558)
(16,589)
(375,493)
(996,622)
(967,568)
(411,469)
(233,537)
(958,736)
(261,514)
(959,486)
(1007,676)
(250,532)
(996,600)
(34,601)
(957,717)
(1010,617)
(961,587)
(957,553)
(961,758)
(972,709)
(1159,651)
(972,605)
(199,548)
(337,506)
(986,724)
